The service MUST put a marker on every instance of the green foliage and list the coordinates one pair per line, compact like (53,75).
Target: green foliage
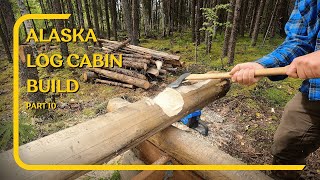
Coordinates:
(27,133)
(115,176)
(211,16)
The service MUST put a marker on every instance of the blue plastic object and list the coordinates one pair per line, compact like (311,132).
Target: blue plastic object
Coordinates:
(195,115)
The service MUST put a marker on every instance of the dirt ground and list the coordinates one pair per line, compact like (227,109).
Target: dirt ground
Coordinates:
(252,134)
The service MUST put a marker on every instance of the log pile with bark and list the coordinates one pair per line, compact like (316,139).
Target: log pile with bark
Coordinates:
(140,65)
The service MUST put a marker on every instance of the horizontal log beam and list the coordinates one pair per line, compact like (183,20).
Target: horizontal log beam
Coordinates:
(106,136)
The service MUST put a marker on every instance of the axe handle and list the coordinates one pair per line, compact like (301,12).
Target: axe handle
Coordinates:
(258,73)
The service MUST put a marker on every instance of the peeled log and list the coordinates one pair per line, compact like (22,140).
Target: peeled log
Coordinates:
(121,77)
(177,143)
(102,138)
(153,71)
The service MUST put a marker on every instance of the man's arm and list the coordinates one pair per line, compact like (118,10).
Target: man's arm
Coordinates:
(300,40)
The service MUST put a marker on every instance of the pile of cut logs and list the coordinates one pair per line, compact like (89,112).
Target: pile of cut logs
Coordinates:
(140,65)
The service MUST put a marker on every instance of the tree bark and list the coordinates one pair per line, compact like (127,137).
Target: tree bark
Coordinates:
(81,20)
(135,65)
(106,8)
(135,22)
(128,72)
(44,11)
(7,21)
(145,51)
(29,9)
(243,14)
(29,73)
(127,18)
(70,10)
(5,43)
(100,139)
(60,25)
(100,14)
(95,17)
(227,32)
(87,9)
(193,20)
(112,83)
(257,23)
(121,77)
(234,32)
(113,13)
(198,21)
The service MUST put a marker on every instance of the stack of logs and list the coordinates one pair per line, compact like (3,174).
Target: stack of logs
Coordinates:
(140,65)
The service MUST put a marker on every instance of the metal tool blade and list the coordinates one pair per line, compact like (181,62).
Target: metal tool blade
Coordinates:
(178,82)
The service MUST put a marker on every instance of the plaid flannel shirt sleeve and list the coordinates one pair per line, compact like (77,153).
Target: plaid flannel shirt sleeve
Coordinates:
(299,41)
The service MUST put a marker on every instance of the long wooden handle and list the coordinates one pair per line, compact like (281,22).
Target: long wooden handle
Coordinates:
(258,73)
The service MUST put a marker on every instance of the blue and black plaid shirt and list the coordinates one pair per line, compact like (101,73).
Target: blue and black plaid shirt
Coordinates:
(303,37)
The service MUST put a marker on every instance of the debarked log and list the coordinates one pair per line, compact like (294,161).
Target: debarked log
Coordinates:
(177,143)
(102,138)
(121,77)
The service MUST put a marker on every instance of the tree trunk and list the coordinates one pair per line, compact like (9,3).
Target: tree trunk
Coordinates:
(146,9)
(60,25)
(234,32)
(193,20)
(257,23)
(100,139)
(106,8)
(243,14)
(70,10)
(198,21)
(7,21)
(29,9)
(29,73)
(271,22)
(5,43)
(113,12)
(255,5)
(135,22)
(100,14)
(81,20)
(127,18)
(87,9)
(44,11)
(95,17)
(227,32)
